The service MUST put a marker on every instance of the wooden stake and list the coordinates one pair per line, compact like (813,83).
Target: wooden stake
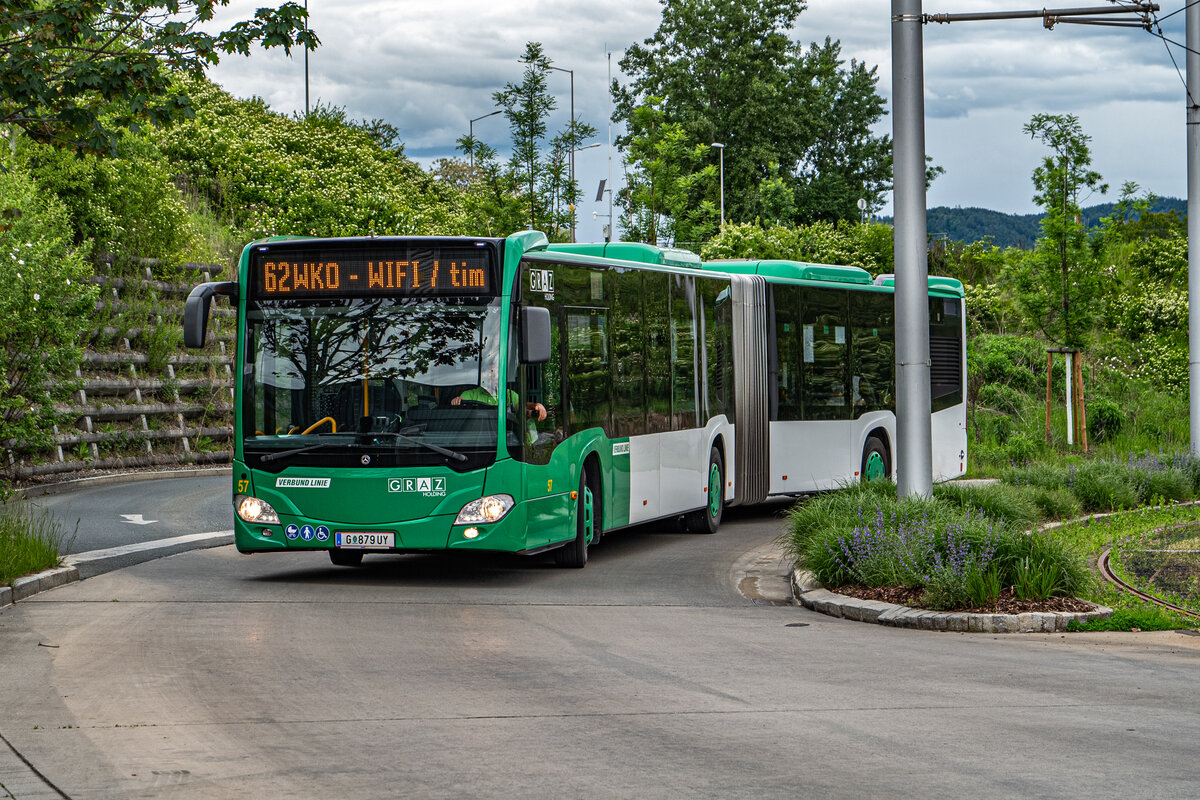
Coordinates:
(1082,413)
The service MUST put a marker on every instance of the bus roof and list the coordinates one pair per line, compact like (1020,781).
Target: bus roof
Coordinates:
(937,283)
(632,251)
(825,273)
(793,270)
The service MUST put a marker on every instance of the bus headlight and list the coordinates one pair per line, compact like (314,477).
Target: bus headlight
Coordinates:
(254,511)
(486,509)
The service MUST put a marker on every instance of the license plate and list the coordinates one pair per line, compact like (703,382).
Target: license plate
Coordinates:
(365,541)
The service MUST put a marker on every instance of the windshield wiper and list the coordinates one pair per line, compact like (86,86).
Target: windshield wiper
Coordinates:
(299,450)
(435,448)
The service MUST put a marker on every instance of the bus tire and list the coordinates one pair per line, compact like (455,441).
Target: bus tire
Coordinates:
(346,558)
(708,519)
(574,553)
(876,463)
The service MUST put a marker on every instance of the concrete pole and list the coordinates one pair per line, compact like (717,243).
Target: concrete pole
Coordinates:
(914,434)
(1192,22)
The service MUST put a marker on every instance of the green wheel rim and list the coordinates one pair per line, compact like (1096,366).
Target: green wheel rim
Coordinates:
(714,490)
(874,468)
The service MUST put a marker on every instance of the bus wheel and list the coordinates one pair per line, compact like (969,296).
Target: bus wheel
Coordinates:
(346,558)
(574,553)
(875,462)
(708,519)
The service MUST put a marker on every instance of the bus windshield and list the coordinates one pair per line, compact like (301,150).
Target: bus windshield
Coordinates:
(371,381)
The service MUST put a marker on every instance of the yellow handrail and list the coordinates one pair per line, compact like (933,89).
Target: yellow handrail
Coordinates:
(332,422)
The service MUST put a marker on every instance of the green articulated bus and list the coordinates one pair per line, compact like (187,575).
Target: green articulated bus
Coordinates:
(415,394)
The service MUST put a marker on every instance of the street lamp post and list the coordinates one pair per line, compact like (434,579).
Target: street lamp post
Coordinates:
(571,165)
(720,146)
(471,132)
(306,112)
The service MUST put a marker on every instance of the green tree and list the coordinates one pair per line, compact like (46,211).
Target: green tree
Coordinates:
(526,106)
(550,191)
(492,204)
(729,72)
(667,180)
(76,72)
(1059,286)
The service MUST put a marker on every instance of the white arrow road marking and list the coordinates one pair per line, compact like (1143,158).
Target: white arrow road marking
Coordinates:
(136,519)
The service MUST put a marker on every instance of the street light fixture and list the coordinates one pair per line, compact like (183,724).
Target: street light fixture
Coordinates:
(571,166)
(471,131)
(720,146)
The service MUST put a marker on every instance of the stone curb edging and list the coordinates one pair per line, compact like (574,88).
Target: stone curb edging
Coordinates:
(813,596)
(30,585)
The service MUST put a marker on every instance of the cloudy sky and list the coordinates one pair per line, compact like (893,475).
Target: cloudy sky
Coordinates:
(429,68)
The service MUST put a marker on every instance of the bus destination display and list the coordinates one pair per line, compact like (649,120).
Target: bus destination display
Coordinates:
(281,273)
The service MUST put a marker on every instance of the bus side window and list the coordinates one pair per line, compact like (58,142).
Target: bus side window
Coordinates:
(539,383)
(872,332)
(657,320)
(825,350)
(684,369)
(789,364)
(629,354)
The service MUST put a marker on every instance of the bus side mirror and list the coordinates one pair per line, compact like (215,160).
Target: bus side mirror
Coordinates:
(195,313)
(535,335)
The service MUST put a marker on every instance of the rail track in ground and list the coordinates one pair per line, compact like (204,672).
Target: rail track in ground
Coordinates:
(1106,570)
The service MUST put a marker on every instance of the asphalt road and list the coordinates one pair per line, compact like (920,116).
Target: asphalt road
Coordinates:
(110,515)
(213,675)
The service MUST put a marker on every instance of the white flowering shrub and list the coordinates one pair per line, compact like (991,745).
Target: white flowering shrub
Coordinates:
(46,302)
(275,175)
(1156,309)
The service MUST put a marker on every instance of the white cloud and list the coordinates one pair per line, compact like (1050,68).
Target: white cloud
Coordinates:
(428,68)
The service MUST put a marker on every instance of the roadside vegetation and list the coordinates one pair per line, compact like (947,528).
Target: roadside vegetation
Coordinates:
(30,540)
(973,547)
(169,166)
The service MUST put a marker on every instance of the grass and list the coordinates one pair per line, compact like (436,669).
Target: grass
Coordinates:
(31,540)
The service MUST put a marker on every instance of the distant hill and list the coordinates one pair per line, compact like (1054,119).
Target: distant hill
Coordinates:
(1012,230)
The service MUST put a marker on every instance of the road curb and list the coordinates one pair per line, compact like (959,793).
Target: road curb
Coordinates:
(79,566)
(118,477)
(30,585)
(812,595)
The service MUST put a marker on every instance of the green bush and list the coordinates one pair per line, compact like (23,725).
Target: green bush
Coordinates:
(1163,484)
(1021,449)
(127,205)
(1014,361)
(318,176)
(1104,419)
(851,244)
(952,546)
(1001,397)
(1103,486)
(998,501)
(1042,475)
(45,310)
(1056,503)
